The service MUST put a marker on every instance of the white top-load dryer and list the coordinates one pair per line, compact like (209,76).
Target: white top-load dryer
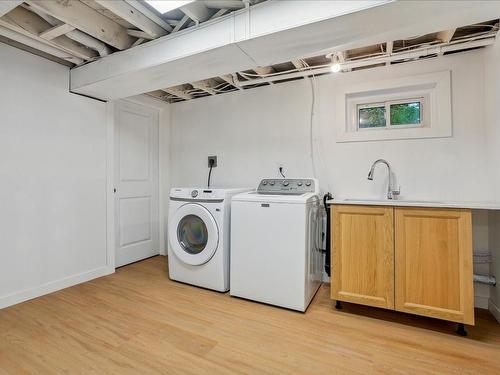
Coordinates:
(198,236)
(275,243)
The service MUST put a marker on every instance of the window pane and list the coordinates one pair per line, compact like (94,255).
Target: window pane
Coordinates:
(406,114)
(371,117)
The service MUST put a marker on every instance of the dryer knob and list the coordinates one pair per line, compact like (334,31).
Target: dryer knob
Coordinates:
(286,183)
(194,193)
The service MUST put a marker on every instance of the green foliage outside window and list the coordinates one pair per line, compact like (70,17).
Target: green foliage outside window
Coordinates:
(405,113)
(373,117)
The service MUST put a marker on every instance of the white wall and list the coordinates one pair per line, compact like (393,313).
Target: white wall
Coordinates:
(492,96)
(252,131)
(53,180)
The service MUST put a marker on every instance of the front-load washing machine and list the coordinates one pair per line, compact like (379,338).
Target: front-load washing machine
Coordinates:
(198,236)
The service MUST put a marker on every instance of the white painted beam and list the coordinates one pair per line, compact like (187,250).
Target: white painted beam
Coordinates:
(86,19)
(139,34)
(148,13)
(269,33)
(224,4)
(7,5)
(181,23)
(56,31)
(197,11)
(38,45)
(133,16)
(29,24)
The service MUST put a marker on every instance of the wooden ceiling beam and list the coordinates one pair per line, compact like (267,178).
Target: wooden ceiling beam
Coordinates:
(219,13)
(37,45)
(56,31)
(298,64)
(7,5)
(133,16)
(206,85)
(86,19)
(225,4)
(181,23)
(29,24)
(180,93)
(149,14)
(197,11)
(230,79)
(446,35)
(139,34)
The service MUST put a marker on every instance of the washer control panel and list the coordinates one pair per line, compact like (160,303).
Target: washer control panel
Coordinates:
(292,186)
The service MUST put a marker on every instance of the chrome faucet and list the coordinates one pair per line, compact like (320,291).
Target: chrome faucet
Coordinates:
(391,194)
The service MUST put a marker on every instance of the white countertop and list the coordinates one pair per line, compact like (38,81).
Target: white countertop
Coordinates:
(479,205)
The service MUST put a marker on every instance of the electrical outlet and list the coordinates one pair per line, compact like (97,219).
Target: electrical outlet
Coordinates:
(212,159)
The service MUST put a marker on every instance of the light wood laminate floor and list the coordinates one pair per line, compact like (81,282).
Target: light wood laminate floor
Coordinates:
(138,321)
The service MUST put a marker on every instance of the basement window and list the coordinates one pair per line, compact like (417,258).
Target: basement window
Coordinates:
(396,114)
(417,106)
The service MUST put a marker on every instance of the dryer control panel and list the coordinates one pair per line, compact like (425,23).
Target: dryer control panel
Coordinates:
(288,186)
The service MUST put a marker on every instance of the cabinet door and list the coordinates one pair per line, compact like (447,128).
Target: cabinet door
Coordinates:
(434,263)
(363,255)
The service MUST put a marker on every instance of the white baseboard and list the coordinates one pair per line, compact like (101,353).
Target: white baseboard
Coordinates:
(481,302)
(494,310)
(53,286)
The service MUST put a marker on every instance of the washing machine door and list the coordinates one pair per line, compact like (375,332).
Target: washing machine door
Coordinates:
(193,234)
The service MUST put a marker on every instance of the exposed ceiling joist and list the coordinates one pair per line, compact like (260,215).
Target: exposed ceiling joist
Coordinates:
(148,13)
(29,24)
(38,45)
(86,19)
(56,31)
(197,11)
(263,70)
(389,46)
(206,86)
(219,13)
(133,16)
(181,23)
(298,64)
(179,92)
(446,35)
(230,46)
(230,79)
(225,4)
(138,42)
(7,5)
(139,34)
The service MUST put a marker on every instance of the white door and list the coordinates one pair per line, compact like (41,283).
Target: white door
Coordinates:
(136,183)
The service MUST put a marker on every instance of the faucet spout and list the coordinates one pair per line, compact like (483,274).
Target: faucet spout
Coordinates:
(391,194)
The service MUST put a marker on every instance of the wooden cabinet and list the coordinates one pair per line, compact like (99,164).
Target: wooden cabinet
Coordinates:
(363,259)
(433,257)
(415,260)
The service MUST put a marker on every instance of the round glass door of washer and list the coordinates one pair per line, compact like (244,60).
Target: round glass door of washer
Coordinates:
(193,234)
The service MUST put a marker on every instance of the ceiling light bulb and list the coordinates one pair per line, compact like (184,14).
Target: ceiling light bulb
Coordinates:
(335,67)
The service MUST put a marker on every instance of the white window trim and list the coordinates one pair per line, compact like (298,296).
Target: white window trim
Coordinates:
(434,89)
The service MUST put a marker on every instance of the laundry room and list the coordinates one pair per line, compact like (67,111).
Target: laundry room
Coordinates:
(249,186)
